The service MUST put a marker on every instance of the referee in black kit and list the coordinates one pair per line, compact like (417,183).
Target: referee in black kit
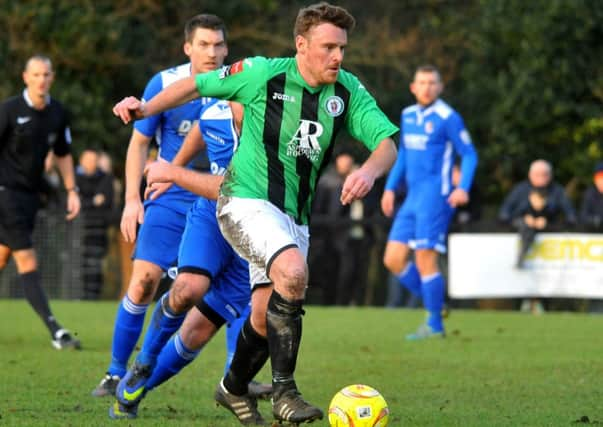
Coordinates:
(31,124)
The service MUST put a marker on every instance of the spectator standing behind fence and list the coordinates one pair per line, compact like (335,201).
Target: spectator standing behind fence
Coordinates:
(32,124)
(351,237)
(431,133)
(96,195)
(533,206)
(591,211)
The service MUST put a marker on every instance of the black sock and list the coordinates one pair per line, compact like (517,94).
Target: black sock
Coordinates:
(36,297)
(251,354)
(284,326)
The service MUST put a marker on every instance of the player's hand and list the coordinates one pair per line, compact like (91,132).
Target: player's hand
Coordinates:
(73,205)
(159,178)
(356,185)
(153,191)
(128,109)
(132,215)
(387,203)
(458,197)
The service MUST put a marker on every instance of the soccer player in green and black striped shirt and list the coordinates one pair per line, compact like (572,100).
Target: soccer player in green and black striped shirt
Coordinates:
(293,109)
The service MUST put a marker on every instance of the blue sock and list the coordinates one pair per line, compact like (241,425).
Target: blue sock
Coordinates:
(410,279)
(162,326)
(128,326)
(433,299)
(232,335)
(171,360)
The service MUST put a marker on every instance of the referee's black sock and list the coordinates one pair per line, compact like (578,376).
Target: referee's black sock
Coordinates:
(251,354)
(284,326)
(32,288)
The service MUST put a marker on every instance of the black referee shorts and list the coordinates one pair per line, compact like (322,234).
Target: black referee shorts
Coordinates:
(18,211)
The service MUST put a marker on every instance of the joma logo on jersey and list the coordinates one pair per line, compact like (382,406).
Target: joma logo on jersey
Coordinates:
(305,140)
(283,97)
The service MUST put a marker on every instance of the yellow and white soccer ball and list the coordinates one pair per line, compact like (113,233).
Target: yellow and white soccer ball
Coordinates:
(358,405)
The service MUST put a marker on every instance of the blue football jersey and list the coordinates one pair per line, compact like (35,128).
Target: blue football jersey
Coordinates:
(430,138)
(170,127)
(217,127)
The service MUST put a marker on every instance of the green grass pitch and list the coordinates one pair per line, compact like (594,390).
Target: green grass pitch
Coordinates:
(494,369)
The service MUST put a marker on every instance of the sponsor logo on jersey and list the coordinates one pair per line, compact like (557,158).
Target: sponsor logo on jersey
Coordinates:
(185,126)
(428,127)
(23,120)
(334,106)
(414,141)
(305,140)
(283,97)
(465,137)
(229,70)
(215,137)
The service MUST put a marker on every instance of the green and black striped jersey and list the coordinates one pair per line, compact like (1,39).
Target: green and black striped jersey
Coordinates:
(289,128)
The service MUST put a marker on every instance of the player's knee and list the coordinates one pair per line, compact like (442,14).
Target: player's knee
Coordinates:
(294,280)
(427,262)
(142,289)
(393,263)
(183,295)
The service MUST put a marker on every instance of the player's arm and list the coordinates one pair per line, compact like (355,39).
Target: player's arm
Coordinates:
(191,146)
(238,82)
(203,184)
(395,177)
(458,134)
(133,213)
(65,166)
(176,94)
(359,183)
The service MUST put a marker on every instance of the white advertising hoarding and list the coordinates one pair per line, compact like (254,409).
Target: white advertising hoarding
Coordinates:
(558,265)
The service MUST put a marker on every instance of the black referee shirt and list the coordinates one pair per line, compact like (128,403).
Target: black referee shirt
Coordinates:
(26,136)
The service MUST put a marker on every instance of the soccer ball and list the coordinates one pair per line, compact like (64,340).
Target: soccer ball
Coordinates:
(358,406)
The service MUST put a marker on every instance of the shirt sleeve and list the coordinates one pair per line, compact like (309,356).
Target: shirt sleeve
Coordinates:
(148,126)
(63,145)
(365,121)
(458,134)
(236,82)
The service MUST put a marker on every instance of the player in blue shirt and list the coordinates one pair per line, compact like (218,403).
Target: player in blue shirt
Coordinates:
(431,134)
(165,217)
(204,257)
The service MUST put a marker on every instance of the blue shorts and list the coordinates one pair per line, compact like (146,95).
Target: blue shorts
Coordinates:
(159,235)
(422,221)
(204,250)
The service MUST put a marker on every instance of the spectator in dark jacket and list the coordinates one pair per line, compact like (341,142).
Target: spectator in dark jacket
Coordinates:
(540,177)
(591,212)
(536,205)
(96,193)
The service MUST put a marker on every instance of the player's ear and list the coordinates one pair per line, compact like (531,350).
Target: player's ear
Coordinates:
(188,48)
(301,44)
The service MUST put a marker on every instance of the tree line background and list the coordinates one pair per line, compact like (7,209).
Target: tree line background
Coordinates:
(527,76)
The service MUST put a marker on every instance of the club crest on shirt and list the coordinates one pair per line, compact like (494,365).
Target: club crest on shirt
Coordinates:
(334,106)
(428,127)
(465,137)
